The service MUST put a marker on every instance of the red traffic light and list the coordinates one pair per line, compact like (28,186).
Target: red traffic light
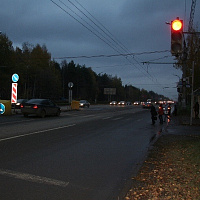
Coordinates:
(176,37)
(177,25)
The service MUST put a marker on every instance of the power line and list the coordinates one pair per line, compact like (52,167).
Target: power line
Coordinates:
(105,29)
(82,24)
(94,29)
(104,33)
(112,55)
(101,37)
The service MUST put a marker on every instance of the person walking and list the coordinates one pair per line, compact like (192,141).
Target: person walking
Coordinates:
(153,114)
(160,113)
(196,110)
(175,109)
(165,112)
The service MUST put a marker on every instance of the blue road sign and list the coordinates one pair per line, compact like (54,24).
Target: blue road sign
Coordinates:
(2,108)
(15,78)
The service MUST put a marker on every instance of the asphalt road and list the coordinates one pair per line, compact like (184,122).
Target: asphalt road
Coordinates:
(82,155)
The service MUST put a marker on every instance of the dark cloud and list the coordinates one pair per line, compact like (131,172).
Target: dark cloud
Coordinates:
(135,26)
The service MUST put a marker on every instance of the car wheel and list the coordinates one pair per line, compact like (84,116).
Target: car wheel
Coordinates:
(42,114)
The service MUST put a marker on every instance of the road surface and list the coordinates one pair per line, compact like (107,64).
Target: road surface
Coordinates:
(82,155)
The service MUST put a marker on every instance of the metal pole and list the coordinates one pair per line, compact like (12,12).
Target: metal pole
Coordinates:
(184,76)
(192,94)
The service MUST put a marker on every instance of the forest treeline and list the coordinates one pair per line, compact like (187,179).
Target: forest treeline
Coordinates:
(42,77)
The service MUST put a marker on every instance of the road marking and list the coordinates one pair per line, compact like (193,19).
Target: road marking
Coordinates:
(36,132)
(89,116)
(106,118)
(33,178)
(118,118)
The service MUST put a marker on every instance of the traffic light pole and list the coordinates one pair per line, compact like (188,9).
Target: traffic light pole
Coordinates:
(184,58)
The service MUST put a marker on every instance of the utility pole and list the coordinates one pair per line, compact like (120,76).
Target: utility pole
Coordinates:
(192,94)
(184,59)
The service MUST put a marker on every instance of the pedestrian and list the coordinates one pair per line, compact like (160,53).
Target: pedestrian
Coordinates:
(175,109)
(169,109)
(160,113)
(153,114)
(196,110)
(165,112)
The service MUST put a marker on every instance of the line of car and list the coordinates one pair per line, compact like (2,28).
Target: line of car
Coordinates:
(41,107)
(123,103)
(46,107)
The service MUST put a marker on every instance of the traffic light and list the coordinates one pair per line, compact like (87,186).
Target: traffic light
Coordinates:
(176,36)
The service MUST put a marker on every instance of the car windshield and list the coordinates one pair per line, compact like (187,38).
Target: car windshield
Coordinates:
(82,101)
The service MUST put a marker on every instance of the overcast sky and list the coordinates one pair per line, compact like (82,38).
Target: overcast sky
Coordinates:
(102,30)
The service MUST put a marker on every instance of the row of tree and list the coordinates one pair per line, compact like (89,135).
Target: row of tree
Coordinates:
(41,77)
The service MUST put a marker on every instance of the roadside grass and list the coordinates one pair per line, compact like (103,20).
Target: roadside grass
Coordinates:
(171,171)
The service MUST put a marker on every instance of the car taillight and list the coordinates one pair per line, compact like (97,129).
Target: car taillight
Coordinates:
(35,106)
(21,106)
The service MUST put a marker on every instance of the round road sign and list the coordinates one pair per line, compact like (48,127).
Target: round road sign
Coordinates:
(15,78)
(2,108)
(70,84)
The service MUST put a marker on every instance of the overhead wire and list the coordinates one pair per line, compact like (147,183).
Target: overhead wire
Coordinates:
(118,42)
(112,55)
(82,24)
(109,34)
(111,43)
(105,31)
(89,29)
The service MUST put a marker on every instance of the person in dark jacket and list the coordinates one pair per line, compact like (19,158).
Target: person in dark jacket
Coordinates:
(160,113)
(153,114)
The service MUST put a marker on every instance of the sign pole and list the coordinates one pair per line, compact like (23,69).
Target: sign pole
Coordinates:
(70,85)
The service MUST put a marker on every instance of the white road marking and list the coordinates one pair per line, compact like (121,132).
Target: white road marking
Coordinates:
(33,178)
(118,118)
(36,132)
(89,116)
(106,118)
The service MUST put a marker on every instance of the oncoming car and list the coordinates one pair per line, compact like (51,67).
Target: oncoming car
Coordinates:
(84,103)
(136,103)
(40,107)
(113,103)
(123,103)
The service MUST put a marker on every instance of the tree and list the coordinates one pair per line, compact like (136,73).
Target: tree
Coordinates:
(193,42)
(6,66)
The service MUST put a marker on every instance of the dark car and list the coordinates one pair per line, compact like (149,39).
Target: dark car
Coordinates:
(40,107)
(18,104)
(84,103)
